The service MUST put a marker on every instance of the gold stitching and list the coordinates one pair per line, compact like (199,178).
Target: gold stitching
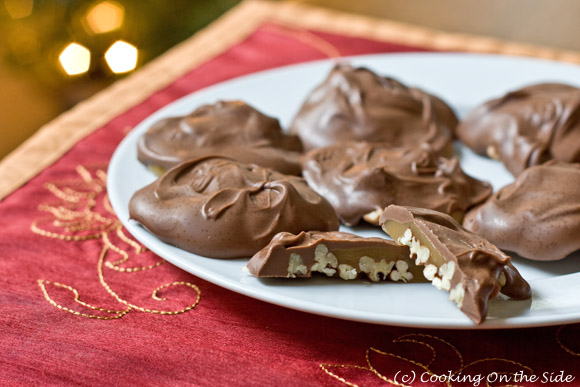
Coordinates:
(102,175)
(118,313)
(531,371)
(107,205)
(85,174)
(460,357)
(339,378)
(381,376)
(49,234)
(125,256)
(141,309)
(75,214)
(498,359)
(433,351)
(426,368)
(561,344)
(136,246)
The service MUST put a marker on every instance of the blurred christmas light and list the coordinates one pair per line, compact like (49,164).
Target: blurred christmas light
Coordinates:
(121,57)
(18,9)
(75,59)
(105,16)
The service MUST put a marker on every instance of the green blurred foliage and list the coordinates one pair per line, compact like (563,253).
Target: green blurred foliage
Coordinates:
(31,45)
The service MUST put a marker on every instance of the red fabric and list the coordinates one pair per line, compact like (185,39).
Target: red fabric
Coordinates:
(226,339)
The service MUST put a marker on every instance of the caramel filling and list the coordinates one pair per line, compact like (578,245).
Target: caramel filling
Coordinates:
(374,263)
(397,231)
(435,268)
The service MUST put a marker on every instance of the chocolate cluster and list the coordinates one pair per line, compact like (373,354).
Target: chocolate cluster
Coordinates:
(526,127)
(537,216)
(378,150)
(218,207)
(360,179)
(356,104)
(226,128)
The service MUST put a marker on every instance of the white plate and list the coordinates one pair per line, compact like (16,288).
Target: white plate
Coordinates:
(464,81)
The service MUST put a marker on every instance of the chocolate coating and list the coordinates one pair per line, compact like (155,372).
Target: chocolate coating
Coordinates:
(537,216)
(478,263)
(526,127)
(220,208)
(357,104)
(231,129)
(273,260)
(360,177)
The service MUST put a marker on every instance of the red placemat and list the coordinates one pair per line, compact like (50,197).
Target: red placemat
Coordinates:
(83,303)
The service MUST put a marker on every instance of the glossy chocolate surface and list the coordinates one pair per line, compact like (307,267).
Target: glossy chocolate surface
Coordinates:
(526,127)
(478,263)
(537,216)
(355,104)
(231,129)
(220,208)
(360,177)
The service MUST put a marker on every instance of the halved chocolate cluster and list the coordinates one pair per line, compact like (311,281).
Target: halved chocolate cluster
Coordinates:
(454,259)
(334,254)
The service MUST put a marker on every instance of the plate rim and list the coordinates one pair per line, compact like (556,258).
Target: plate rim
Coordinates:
(159,248)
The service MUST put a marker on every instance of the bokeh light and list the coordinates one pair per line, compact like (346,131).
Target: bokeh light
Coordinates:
(75,59)
(37,63)
(105,16)
(17,9)
(121,57)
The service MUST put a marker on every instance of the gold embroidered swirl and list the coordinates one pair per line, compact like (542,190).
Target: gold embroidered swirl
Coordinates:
(116,313)
(561,341)
(82,212)
(436,346)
